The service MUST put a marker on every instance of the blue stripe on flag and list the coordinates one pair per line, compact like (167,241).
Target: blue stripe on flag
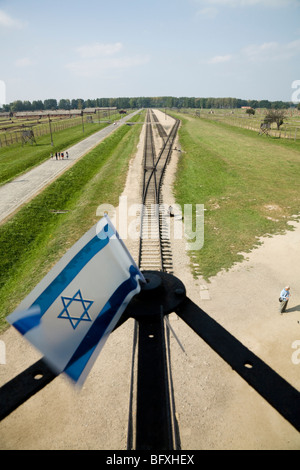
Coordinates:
(58,285)
(32,317)
(86,348)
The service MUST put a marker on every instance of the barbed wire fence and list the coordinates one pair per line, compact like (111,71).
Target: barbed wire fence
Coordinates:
(16,136)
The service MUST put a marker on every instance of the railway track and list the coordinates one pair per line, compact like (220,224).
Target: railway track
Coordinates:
(154,250)
(152,417)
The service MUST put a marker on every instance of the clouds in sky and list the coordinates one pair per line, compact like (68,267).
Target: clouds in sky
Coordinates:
(209,9)
(199,48)
(272,51)
(261,53)
(8,22)
(97,49)
(24,62)
(220,59)
(96,58)
(247,3)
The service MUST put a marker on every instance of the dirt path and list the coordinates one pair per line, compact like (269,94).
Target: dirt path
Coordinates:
(215,408)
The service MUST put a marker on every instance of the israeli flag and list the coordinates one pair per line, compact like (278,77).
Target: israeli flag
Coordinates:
(71,312)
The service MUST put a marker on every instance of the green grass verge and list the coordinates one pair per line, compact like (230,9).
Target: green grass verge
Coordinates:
(36,238)
(249,185)
(16,159)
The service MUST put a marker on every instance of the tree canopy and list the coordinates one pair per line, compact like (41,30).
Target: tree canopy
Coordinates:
(275,115)
(144,102)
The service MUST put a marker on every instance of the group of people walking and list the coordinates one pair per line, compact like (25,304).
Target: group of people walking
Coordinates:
(59,155)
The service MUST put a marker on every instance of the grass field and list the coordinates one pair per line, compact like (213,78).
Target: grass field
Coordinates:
(15,160)
(290,129)
(249,185)
(36,238)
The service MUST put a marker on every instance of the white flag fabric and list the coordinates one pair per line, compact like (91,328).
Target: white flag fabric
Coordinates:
(71,312)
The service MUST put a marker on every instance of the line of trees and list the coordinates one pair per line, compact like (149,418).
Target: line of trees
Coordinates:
(144,102)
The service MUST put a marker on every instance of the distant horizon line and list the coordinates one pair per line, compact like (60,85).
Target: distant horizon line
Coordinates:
(138,101)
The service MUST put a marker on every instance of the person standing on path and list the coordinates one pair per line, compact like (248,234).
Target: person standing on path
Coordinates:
(284,298)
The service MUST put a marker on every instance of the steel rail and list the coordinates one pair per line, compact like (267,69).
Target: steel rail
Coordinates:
(152,419)
(149,182)
(155,178)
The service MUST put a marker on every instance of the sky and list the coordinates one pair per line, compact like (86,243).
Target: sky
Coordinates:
(248,49)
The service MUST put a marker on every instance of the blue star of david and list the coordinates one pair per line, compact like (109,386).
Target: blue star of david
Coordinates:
(75,309)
